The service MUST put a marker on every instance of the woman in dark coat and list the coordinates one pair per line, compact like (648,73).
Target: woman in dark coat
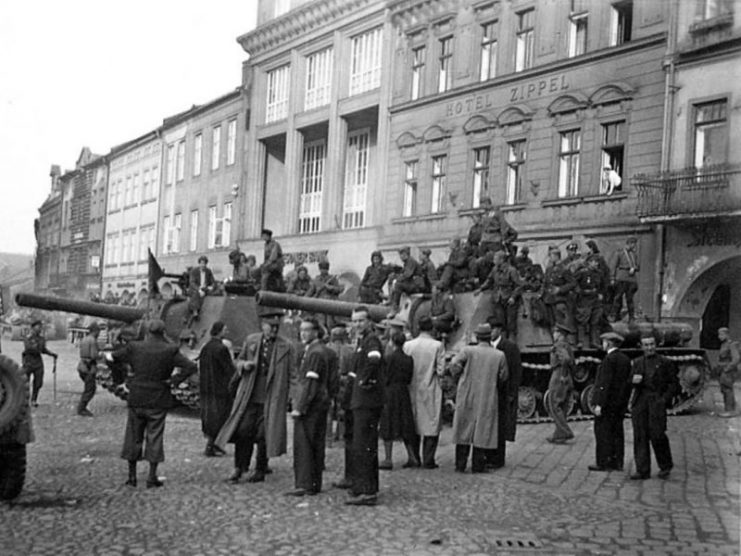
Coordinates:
(397,420)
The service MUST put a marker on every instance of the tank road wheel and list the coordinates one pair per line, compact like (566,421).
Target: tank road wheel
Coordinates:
(527,402)
(581,373)
(12,470)
(692,372)
(572,403)
(586,400)
(13,393)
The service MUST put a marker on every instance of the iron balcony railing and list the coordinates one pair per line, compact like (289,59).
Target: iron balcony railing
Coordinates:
(689,193)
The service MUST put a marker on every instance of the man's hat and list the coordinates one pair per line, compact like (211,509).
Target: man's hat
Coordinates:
(574,245)
(324,264)
(483,331)
(565,328)
(612,336)
(554,249)
(266,231)
(724,329)
(271,317)
(156,326)
(495,321)
(397,322)
(426,251)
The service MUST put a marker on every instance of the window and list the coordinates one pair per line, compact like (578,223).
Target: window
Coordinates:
(621,22)
(170,164)
(480,175)
(277,97)
(145,185)
(488,51)
(193,230)
(154,185)
(167,230)
(711,133)
(418,72)
(197,154)
(445,74)
(110,245)
(318,78)
(116,251)
(613,150)
(146,241)
(135,189)
(312,180)
(525,42)
(709,9)
(356,179)
(231,142)
(126,237)
(218,228)
(127,192)
(409,208)
(577,34)
(226,226)
(365,69)
(181,161)
(438,182)
(568,171)
(215,147)
(516,155)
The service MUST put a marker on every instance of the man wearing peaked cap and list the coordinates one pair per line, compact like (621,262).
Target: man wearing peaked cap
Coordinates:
(609,402)
(410,280)
(34,345)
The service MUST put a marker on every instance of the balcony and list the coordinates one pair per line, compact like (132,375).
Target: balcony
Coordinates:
(689,194)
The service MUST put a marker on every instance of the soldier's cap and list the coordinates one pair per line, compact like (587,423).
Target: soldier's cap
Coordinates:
(612,336)
(724,329)
(573,246)
(266,232)
(377,254)
(593,258)
(37,321)
(565,328)
(338,331)
(524,250)
(483,330)
(156,326)
(495,322)
(324,264)
(382,325)
(553,249)
(271,317)
(93,327)
(632,239)
(426,251)
(404,249)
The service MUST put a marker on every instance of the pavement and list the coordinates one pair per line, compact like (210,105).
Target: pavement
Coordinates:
(544,501)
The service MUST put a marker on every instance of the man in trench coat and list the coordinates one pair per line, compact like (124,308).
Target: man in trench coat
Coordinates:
(482,369)
(216,369)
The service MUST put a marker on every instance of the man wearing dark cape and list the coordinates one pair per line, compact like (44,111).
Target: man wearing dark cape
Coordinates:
(216,369)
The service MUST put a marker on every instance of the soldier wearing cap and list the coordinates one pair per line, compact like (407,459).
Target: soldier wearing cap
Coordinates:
(410,280)
(200,282)
(152,363)
(588,303)
(325,286)
(34,345)
(371,286)
(573,260)
(258,415)
(301,283)
(530,272)
(604,268)
(728,360)
(561,384)
(271,271)
(87,368)
(625,279)
(496,233)
(442,310)
(429,272)
(558,282)
(455,271)
(506,286)
(609,403)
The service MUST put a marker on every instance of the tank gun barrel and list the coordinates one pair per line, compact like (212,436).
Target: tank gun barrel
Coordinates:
(47,303)
(317,305)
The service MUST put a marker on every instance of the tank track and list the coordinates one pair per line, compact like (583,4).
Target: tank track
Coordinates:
(187,395)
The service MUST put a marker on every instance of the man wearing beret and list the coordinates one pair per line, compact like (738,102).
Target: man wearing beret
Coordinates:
(609,402)
(33,346)
(271,271)
(152,362)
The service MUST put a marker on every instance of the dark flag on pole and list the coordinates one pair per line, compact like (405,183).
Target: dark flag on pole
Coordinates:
(155,273)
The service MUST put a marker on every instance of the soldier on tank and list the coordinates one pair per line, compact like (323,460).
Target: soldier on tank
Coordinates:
(473,239)
(625,279)
(429,272)
(496,233)
(558,282)
(271,271)
(201,281)
(604,269)
(371,286)
(588,304)
(325,286)
(573,260)
(442,310)
(506,286)
(410,280)
(301,283)
(455,271)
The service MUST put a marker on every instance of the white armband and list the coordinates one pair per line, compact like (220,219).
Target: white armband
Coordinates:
(375,354)
(312,374)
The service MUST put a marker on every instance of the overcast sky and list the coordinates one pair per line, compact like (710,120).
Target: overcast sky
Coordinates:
(77,73)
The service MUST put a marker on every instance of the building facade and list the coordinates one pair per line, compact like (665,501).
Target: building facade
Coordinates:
(48,228)
(131,216)
(201,184)
(318,137)
(694,202)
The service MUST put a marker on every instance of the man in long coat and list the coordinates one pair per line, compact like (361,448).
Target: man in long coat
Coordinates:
(426,392)
(609,402)
(216,369)
(508,394)
(482,369)
(258,413)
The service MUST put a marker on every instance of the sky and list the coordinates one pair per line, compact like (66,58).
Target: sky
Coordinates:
(95,73)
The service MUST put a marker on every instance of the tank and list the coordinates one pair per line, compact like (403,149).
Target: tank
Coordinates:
(15,428)
(534,342)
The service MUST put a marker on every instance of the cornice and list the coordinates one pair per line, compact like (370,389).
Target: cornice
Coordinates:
(412,13)
(298,22)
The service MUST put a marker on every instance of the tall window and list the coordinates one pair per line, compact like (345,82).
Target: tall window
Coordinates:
(577,34)
(181,161)
(445,71)
(212,225)
(711,133)
(568,170)
(356,179)
(154,183)
(146,241)
(193,230)
(613,151)
(170,178)
(516,155)
(480,175)
(409,208)
(135,189)
(145,185)
(318,78)
(116,249)
(418,72)
(439,164)
(176,226)
(126,237)
(709,9)
(621,22)
(227,226)
(231,142)
(365,68)
(488,51)
(525,41)
(167,230)
(127,192)
(197,154)
(110,246)
(277,97)
(312,181)
(215,147)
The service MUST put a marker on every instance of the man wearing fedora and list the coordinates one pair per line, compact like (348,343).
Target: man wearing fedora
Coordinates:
(482,370)
(34,345)
(609,402)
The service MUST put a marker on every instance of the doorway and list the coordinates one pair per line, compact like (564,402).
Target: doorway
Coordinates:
(717,314)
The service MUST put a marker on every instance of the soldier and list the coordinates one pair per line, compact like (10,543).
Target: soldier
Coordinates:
(558,282)
(429,272)
(33,346)
(442,311)
(604,269)
(655,383)
(248,272)
(473,239)
(200,283)
(609,402)
(301,283)
(371,286)
(506,288)
(573,260)
(625,279)
(530,272)
(411,280)
(87,368)
(325,285)
(588,310)
(496,233)
(271,271)
(728,360)
(561,384)
(339,343)
(455,272)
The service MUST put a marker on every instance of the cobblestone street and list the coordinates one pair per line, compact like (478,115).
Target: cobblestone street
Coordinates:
(544,501)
